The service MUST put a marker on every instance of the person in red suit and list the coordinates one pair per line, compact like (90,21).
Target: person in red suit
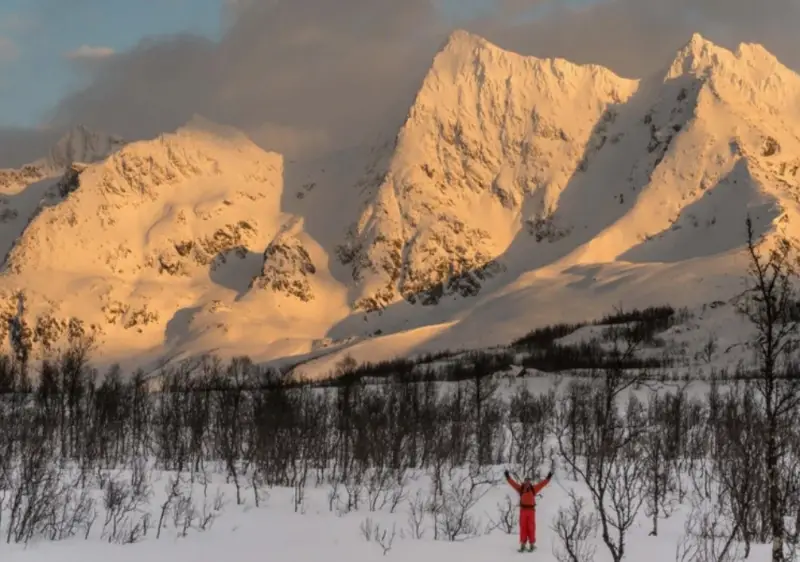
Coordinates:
(527,508)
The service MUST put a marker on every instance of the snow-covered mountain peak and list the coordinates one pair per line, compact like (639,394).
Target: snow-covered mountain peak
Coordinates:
(471,58)
(750,73)
(198,149)
(198,190)
(461,45)
(698,56)
(82,145)
(461,40)
(757,54)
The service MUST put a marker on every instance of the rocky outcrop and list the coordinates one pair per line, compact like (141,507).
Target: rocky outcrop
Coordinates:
(70,181)
(11,180)
(127,316)
(37,336)
(182,256)
(287,268)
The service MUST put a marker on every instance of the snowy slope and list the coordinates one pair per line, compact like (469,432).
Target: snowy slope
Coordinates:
(172,233)
(22,189)
(488,148)
(518,192)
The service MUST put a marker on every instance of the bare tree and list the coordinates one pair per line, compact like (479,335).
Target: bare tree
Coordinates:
(456,521)
(528,420)
(709,348)
(613,469)
(374,532)
(709,536)
(738,462)
(658,476)
(123,521)
(507,517)
(173,493)
(769,302)
(416,514)
(574,528)
(483,386)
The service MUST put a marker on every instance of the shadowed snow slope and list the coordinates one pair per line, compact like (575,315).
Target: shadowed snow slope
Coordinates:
(518,192)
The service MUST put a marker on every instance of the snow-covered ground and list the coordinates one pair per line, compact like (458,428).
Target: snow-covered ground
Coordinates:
(381,512)
(276,531)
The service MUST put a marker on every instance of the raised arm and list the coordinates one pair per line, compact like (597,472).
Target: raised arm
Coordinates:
(513,483)
(540,485)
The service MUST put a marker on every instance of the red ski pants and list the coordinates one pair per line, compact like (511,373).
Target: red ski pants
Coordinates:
(527,525)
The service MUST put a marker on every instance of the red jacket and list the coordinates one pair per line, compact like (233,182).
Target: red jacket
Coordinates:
(527,494)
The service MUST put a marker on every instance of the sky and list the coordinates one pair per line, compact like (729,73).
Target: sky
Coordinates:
(305,76)
(47,43)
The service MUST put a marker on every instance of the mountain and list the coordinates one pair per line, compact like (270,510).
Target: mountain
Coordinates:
(77,145)
(21,190)
(163,243)
(518,192)
(488,147)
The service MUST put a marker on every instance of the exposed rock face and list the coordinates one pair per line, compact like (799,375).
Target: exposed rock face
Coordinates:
(14,179)
(31,335)
(287,268)
(70,181)
(180,258)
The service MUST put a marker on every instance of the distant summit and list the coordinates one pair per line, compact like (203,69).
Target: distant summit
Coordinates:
(81,145)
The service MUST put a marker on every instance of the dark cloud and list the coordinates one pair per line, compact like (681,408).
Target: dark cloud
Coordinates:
(635,37)
(304,75)
(295,74)
(20,146)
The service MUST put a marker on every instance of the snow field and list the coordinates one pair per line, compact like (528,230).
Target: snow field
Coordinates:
(374,510)
(275,530)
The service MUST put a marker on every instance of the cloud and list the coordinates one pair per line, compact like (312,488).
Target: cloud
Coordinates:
(301,70)
(20,146)
(635,37)
(8,50)
(86,52)
(302,76)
